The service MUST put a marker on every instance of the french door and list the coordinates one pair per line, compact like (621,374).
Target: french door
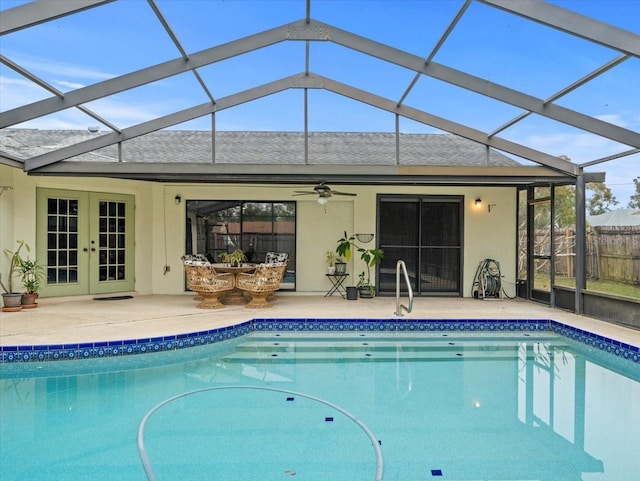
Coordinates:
(426,233)
(85,242)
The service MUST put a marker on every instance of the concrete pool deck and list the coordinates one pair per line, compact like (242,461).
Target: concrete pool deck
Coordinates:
(83,319)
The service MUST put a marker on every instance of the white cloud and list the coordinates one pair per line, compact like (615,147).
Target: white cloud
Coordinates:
(584,147)
(614,119)
(41,66)
(70,85)
(15,92)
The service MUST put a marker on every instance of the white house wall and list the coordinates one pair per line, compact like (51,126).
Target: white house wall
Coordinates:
(160,223)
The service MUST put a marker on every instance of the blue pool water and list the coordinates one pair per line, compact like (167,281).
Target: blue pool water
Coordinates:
(442,405)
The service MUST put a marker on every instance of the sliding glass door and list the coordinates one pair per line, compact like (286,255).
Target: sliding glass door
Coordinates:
(426,233)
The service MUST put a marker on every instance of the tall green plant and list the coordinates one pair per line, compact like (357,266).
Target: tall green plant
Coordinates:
(14,262)
(371,257)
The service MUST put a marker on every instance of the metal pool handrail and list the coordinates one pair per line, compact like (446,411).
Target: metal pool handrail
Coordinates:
(400,265)
(146,462)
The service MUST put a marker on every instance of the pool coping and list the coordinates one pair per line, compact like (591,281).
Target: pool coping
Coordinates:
(126,347)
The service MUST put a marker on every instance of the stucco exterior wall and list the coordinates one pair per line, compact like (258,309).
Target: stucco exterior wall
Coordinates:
(160,223)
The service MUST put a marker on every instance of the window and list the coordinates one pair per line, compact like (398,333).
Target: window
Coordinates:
(215,227)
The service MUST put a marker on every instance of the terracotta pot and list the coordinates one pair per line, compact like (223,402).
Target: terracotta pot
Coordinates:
(29,300)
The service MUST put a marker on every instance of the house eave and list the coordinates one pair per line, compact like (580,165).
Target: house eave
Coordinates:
(353,174)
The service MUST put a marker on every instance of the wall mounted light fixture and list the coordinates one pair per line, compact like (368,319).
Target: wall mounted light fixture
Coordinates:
(478,202)
(178,199)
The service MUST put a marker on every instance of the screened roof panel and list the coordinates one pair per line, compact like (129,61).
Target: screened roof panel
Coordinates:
(620,13)
(460,105)
(66,119)
(281,111)
(513,51)
(411,26)
(254,68)
(408,126)
(561,140)
(200,24)
(16,91)
(329,112)
(150,101)
(620,175)
(359,70)
(118,64)
(612,95)
(90,46)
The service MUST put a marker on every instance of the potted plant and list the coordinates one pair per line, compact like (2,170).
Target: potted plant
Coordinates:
(12,300)
(31,273)
(341,266)
(331,262)
(365,288)
(234,258)
(370,257)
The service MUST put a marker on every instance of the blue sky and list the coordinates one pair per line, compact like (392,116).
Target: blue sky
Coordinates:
(114,39)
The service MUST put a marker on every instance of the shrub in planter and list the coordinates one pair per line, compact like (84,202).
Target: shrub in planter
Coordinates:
(31,273)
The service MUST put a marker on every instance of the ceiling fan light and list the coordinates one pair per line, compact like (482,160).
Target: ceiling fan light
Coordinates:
(322,200)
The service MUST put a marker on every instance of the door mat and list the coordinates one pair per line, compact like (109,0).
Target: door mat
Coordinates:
(112,298)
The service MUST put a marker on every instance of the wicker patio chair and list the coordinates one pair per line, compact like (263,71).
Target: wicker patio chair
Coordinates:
(277,258)
(264,281)
(209,284)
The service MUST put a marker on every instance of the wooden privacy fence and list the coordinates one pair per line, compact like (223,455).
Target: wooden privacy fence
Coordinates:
(612,253)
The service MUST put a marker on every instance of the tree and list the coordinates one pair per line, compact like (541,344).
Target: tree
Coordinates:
(601,199)
(634,201)
(565,205)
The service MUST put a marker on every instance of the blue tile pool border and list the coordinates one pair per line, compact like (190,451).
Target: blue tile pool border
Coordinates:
(103,349)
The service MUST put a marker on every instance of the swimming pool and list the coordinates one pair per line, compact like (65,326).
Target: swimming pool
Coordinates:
(501,400)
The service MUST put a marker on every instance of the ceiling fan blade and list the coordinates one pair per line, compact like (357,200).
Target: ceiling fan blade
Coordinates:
(304,192)
(343,193)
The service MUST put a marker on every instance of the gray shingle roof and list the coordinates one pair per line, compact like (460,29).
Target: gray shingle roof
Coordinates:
(253,147)
(618,217)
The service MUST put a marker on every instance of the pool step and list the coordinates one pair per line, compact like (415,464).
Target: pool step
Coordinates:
(281,350)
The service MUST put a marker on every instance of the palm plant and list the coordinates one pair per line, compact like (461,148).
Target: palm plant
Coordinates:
(31,273)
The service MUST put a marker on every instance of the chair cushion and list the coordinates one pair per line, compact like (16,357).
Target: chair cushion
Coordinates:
(275,257)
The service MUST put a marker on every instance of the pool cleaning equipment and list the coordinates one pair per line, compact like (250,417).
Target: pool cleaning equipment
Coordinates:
(487,283)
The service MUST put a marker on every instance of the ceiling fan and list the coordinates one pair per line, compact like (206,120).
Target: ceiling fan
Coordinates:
(323,191)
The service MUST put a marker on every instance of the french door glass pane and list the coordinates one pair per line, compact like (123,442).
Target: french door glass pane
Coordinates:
(62,244)
(111,249)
